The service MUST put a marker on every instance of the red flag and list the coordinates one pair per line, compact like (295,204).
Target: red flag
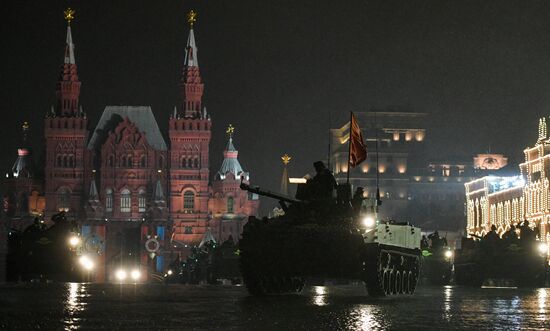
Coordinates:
(357,147)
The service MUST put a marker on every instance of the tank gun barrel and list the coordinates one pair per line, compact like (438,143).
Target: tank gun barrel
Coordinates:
(267,193)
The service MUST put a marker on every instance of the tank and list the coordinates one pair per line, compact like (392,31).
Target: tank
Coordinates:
(327,239)
(437,266)
(501,263)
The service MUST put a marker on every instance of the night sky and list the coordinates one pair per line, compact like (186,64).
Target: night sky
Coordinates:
(275,69)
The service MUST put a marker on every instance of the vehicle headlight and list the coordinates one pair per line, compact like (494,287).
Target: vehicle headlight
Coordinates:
(74,240)
(543,248)
(86,262)
(120,274)
(448,254)
(135,274)
(369,221)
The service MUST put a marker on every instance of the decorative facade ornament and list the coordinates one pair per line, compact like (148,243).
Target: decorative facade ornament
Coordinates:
(69,14)
(192,17)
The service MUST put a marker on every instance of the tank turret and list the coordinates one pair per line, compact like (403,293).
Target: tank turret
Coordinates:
(321,235)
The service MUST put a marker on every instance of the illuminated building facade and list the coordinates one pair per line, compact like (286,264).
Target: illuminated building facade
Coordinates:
(139,199)
(503,201)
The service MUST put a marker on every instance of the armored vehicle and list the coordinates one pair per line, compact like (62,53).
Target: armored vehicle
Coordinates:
(327,238)
(437,266)
(501,263)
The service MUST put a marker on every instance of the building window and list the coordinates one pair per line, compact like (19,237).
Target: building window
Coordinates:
(230,205)
(125,201)
(123,163)
(189,200)
(161,162)
(143,161)
(196,163)
(109,200)
(141,201)
(111,162)
(130,162)
(190,163)
(188,230)
(63,199)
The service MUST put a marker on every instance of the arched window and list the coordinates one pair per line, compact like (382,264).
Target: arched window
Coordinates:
(111,162)
(230,203)
(130,162)
(71,159)
(141,201)
(196,163)
(123,161)
(109,199)
(65,161)
(161,162)
(125,201)
(189,200)
(59,161)
(143,161)
(183,162)
(190,163)
(63,199)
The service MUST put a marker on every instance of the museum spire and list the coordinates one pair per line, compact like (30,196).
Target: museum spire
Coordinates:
(68,86)
(191,85)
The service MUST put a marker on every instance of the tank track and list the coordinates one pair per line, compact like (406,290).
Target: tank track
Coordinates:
(257,282)
(390,271)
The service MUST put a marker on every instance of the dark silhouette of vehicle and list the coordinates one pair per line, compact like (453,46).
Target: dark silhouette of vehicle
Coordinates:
(325,238)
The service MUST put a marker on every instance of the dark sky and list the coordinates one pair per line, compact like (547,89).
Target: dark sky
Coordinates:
(274,69)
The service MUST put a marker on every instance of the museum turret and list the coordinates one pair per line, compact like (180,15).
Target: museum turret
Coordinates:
(231,206)
(66,133)
(189,132)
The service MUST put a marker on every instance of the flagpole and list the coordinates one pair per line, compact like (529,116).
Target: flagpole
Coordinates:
(349,146)
(329,141)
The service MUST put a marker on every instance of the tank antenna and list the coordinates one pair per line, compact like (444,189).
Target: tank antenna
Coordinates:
(349,148)
(378,199)
(329,138)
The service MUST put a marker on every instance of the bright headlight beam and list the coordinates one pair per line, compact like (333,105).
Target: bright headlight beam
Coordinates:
(135,274)
(74,240)
(86,262)
(368,221)
(121,274)
(543,248)
(448,254)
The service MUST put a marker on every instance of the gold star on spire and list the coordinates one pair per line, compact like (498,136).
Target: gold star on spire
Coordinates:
(192,17)
(230,130)
(286,159)
(69,14)
(25,126)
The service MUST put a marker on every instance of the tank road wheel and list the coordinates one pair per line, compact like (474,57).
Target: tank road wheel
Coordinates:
(298,284)
(406,282)
(375,273)
(392,282)
(398,283)
(386,282)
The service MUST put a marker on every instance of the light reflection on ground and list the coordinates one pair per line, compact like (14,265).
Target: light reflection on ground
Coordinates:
(180,307)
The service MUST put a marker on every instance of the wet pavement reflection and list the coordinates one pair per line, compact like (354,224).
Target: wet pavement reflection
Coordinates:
(76,306)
